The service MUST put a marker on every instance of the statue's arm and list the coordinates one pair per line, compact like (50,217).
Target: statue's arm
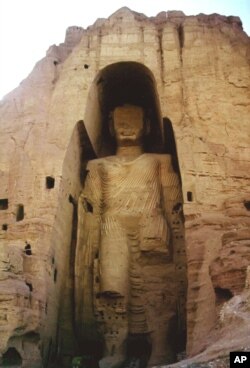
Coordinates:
(171,186)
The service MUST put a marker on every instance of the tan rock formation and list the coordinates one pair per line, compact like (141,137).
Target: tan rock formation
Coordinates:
(194,73)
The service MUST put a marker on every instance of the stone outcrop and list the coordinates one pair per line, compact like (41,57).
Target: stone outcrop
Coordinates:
(194,72)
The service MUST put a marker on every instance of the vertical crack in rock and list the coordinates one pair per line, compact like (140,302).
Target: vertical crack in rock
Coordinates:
(181,40)
(161,53)
(142,43)
(73,234)
(180,33)
(203,90)
(98,49)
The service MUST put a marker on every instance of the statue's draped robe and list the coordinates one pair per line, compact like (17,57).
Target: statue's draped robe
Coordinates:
(124,211)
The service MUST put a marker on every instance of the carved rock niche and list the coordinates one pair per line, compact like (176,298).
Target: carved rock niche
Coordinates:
(131,296)
(96,262)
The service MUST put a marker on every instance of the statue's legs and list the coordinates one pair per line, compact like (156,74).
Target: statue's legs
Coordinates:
(120,308)
(138,342)
(159,345)
(136,317)
(114,263)
(112,295)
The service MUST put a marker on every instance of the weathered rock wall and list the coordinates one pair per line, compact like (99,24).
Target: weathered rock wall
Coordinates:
(201,70)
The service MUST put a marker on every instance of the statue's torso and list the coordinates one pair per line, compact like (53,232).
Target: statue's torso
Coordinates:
(131,198)
(130,187)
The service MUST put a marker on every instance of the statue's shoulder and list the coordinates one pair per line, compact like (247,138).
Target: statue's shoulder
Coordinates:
(94,165)
(164,158)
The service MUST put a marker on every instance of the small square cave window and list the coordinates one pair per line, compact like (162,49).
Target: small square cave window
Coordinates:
(247,205)
(28,250)
(55,275)
(4,227)
(20,212)
(190,196)
(223,295)
(50,182)
(4,204)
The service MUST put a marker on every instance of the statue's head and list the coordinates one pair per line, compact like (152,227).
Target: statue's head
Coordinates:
(128,124)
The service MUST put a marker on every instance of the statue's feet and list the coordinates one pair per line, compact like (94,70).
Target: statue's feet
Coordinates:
(111,362)
(119,362)
(132,363)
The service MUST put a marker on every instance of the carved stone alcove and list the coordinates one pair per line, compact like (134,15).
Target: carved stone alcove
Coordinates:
(55,129)
(162,277)
(118,84)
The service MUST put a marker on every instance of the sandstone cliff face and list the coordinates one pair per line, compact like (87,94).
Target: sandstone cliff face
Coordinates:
(201,69)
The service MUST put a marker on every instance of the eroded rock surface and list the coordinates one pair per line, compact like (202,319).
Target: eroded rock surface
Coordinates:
(200,65)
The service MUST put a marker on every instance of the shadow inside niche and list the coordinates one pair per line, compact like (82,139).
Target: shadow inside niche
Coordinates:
(11,358)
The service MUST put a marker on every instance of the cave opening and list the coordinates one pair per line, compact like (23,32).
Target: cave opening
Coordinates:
(55,275)
(222,295)
(50,182)
(247,205)
(190,196)
(12,358)
(4,204)
(27,249)
(20,212)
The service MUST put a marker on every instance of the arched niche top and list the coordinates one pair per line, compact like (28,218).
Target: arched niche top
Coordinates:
(115,85)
